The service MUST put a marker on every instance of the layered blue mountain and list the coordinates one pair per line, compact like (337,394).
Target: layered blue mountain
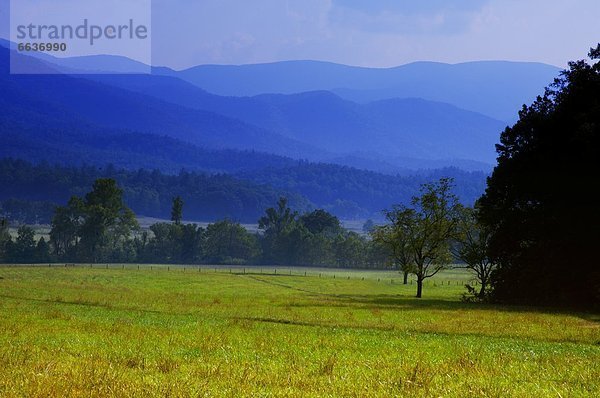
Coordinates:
(163,122)
(489,88)
(55,100)
(399,131)
(388,135)
(493,88)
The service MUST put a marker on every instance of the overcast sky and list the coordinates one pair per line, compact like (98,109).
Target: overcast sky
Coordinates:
(376,33)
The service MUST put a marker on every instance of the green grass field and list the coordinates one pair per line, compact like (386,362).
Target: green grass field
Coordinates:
(129,333)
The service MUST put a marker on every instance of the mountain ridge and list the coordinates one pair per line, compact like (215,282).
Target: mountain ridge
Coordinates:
(496,88)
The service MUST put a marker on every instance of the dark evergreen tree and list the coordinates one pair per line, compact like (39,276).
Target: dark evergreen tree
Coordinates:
(177,210)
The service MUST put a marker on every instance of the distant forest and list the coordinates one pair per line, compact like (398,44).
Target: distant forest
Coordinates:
(31,191)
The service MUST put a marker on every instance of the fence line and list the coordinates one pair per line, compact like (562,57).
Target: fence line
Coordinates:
(272,271)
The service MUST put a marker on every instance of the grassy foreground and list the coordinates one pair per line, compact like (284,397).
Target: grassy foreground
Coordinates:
(129,333)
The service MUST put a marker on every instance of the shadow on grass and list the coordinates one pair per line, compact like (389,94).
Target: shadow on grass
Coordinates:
(84,303)
(409,302)
(396,329)
(405,302)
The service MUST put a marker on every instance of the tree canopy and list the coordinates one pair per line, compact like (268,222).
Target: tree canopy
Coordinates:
(541,203)
(420,236)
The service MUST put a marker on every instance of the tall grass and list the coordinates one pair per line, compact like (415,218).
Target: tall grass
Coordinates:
(124,332)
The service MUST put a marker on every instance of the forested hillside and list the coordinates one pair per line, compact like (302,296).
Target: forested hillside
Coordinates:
(345,191)
(149,193)
(353,193)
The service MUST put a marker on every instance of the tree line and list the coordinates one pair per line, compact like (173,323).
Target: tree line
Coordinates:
(99,227)
(421,239)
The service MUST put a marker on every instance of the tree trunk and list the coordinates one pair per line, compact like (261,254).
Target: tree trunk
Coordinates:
(406,277)
(482,290)
(419,287)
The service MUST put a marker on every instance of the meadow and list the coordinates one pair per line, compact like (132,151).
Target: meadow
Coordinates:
(170,331)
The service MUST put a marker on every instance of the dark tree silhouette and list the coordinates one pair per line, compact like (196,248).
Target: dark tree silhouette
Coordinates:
(541,203)
(177,210)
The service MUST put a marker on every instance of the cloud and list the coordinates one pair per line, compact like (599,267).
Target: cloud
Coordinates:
(434,17)
(410,8)
(230,31)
